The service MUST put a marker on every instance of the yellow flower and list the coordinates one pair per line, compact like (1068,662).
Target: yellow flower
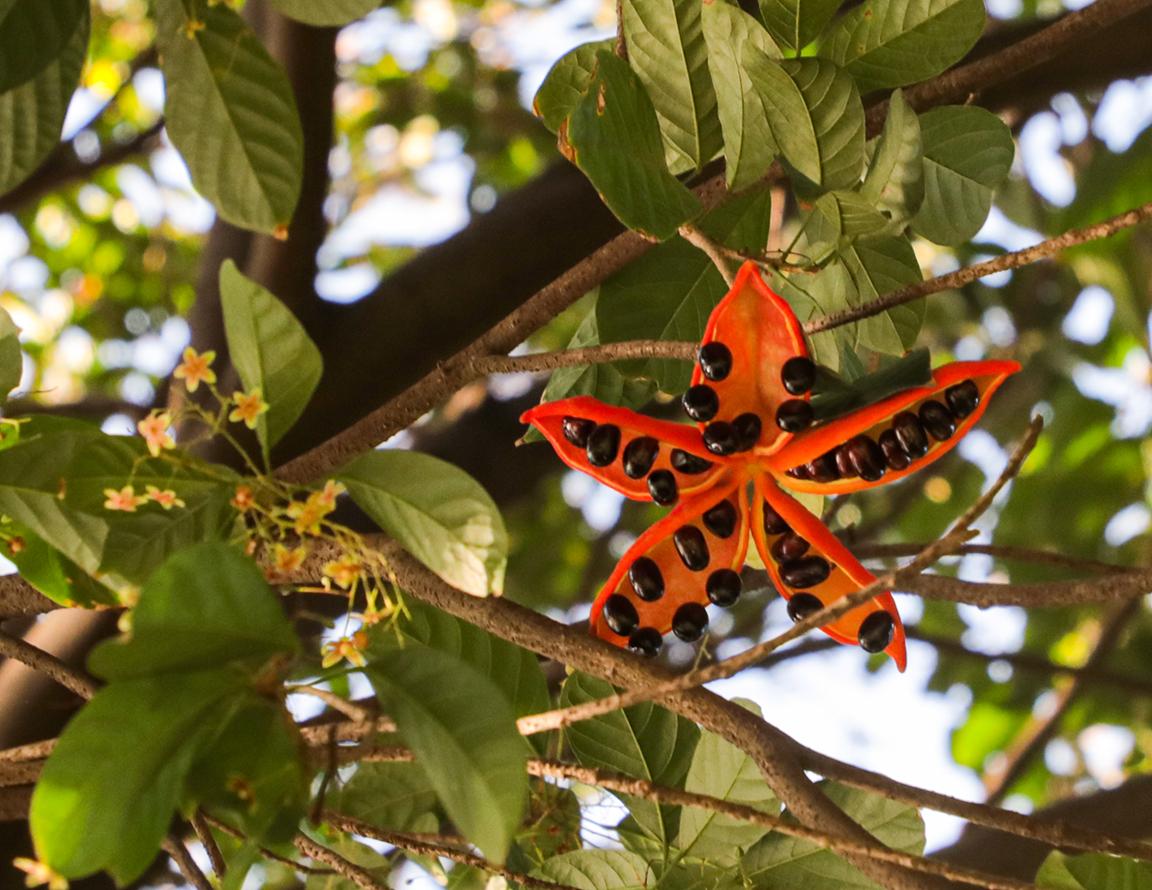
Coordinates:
(166,498)
(154,429)
(327,497)
(40,874)
(243,499)
(345,648)
(309,513)
(344,572)
(196,369)
(125,499)
(249,406)
(286,561)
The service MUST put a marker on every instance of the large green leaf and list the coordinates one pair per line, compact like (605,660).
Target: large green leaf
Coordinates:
(326,12)
(894,182)
(54,575)
(11,357)
(597,870)
(231,114)
(566,83)
(388,795)
(1093,871)
(614,137)
(796,23)
(463,732)
(35,34)
(877,267)
(889,43)
(834,114)
(837,219)
(967,153)
(666,49)
(439,513)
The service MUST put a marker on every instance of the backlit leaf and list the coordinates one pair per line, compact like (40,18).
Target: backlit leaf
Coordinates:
(566,83)
(326,12)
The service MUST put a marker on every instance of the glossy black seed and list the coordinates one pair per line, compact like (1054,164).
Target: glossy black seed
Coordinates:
(700,402)
(800,472)
(794,415)
(646,579)
(646,641)
(620,615)
(721,520)
(774,523)
(823,468)
(723,587)
(747,427)
(936,419)
(866,457)
(789,546)
(876,632)
(896,457)
(689,622)
(692,547)
(910,434)
(962,399)
(844,463)
(603,445)
(720,438)
(689,464)
(639,455)
(801,605)
(662,487)
(715,360)
(798,375)
(808,571)
(576,430)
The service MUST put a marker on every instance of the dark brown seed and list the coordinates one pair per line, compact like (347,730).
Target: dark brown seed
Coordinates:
(774,523)
(662,487)
(800,472)
(639,455)
(910,434)
(576,430)
(646,579)
(646,641)
(720,438)
(789,546)
(620,614)
(747,427)
(936,419)
(823,468)
(700,402)
(721,520)
(866,457)
(808,571)
(715,360)
(689,464)
(692,547)
(801,605)
(896,456)
(798,375)
(723,587)
(794,415)
(844,464)
(962,399)
(689,622)
(603,445)
(876,632)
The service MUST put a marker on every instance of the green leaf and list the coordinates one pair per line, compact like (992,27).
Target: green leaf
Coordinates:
(967,153)
(597,870)
(894,182)
(35,34)
(890,43)
(463,733)
(326,12)
(834,397)
(11,358)
(834,115)
(567,82)
(1093,871)
(792,128)
(231,114)
(736,45)
(613,136)
(877,267)
(56,576)
(270,350)
(666,49)
(439,513)
(207,606)
(836,220)
(387,795)
(796,23)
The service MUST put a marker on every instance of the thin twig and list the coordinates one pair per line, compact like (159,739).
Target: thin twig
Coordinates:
(208,841)
(588,355)
(75,680)
(354,873)
(356,712)
(1102,589)
(715,252)
(187,865)
(999,551)
(264,851)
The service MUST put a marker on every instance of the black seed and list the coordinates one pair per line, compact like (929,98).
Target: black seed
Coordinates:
(794,415)
(720,438)
(692,547)
(689,622)
(747,427)
(723,587)
(798,375)
(646,641)
(603,445)
(721,519)
(700,402)
(910,434)
(646,579)
(823,468)
(620,614)
(576,430)
(808,571)
(715,360)
(876,632)
(801,605)
(789,546)
(662,487)
(639,455)
(844,464)
(800,472)
(937,420)
(689,464)
(962,399)
(866,457)
(896,456)
(774,523)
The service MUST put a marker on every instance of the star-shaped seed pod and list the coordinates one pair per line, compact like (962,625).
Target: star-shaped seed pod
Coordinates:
(727,476)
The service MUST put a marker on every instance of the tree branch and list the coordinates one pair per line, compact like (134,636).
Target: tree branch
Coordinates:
(354,873)
(71,678)
(186,864)
(1103,589)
